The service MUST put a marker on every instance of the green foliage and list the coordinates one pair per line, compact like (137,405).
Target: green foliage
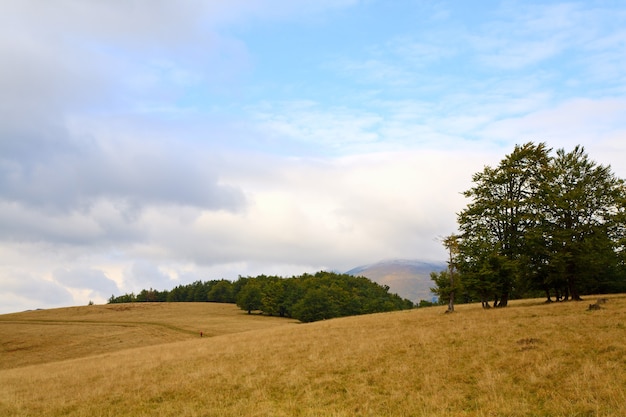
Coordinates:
(539,222)
(221,292)
(425,303)
(126,298)
(250,297)
(442,288)
(151,296)
(501,213)
(580,199)
(324,295)
(307,297)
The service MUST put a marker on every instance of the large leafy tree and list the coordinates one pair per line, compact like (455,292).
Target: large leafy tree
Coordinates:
(501,212)
(545,222)
(580,202)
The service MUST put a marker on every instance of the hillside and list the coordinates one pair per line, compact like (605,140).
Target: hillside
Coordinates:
(530,359)
(408,278)
(41,336)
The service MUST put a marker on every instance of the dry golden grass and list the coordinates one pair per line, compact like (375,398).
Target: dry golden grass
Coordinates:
(529,359)
(42,336)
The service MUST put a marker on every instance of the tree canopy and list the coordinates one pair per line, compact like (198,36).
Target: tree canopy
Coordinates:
(540,221)
(320,296)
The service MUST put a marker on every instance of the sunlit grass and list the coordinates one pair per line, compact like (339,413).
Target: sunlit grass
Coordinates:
(48,335)
(529,359)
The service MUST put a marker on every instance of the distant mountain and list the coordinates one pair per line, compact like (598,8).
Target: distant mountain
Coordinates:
(408,278)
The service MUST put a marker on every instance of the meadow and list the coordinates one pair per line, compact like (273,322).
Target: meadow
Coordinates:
(529,359)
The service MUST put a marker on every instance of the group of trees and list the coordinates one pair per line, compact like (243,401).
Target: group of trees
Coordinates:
(307,298)
(538,223)
(219,291)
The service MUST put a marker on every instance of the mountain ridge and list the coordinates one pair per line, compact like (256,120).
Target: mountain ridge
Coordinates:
(409,278)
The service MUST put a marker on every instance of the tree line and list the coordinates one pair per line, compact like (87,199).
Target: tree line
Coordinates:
(538,223)
(308,297)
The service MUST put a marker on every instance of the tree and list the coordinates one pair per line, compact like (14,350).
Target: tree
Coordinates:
(250,297)
(501,211)
(542,222)
(451,243)
(316,305)
(274,296)
(482,269)
(442,288)
(198,292)
(306,297)
(221,292)
(580,203)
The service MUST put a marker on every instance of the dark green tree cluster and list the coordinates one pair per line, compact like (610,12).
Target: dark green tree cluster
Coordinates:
(307,298)
(323,295)
(219,291)
(540,223)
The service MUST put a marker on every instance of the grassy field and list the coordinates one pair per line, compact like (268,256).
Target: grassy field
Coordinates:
(530,359)
(41,336)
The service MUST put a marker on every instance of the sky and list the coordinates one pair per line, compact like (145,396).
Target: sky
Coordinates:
(147,144)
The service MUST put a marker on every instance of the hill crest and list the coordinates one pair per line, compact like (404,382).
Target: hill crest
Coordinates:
(409,278)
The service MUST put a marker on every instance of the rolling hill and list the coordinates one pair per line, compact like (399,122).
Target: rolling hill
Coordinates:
(42,336)
(147,359)
(408,278)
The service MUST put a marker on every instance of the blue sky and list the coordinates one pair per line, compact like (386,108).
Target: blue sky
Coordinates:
(148,144)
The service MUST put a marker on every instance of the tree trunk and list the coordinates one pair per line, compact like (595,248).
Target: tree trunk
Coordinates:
(548,300)
(573,291)
(451,244)
(484,301)
(504,300)
(451,303)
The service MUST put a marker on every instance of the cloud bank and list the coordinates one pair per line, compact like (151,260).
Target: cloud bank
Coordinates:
(150,144)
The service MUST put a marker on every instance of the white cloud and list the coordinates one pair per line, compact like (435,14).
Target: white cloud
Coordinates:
(330,213)
(97,284)
(21,291)
(598,125)
(141,146)
(304,215)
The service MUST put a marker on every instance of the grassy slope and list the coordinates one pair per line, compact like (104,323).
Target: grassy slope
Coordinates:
(41,336)
(530,359)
